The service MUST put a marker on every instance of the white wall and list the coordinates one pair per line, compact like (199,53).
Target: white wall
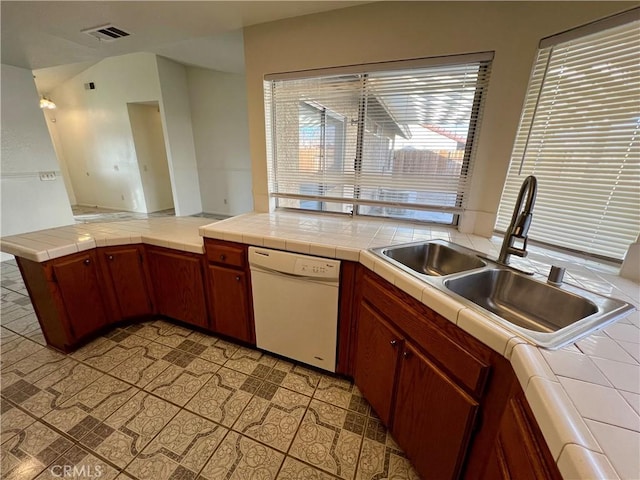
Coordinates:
(384,31)
(28,204)
(95,133)
(178,134)
(221,135)
(51,120)
(148,139)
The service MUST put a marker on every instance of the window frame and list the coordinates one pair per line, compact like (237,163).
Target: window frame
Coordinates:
(546,119)
(483,62)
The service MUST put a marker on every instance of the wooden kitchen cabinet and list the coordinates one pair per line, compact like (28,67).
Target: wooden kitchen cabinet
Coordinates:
(230,289)
(520,451)
(424,377)
(78,280)
(68,297)
(350,278)
(433,418)
(128,280)
(75,296)
(377,354)
(178,285)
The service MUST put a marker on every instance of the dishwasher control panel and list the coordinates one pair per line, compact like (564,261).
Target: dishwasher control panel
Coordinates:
(295,264)
(314,268)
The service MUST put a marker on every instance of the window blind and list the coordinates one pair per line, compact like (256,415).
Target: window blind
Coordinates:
(387,142)
(579,134)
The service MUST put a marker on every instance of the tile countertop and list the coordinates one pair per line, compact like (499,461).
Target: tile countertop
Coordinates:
(586,396)
(179,233)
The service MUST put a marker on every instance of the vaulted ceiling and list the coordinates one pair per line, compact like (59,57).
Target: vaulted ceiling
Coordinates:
(37,35)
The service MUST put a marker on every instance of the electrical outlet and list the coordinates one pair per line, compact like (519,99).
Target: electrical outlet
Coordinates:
(47,176)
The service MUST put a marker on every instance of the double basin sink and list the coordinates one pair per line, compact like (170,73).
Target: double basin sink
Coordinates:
(547,315)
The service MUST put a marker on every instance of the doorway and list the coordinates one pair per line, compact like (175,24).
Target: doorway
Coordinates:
(148,140)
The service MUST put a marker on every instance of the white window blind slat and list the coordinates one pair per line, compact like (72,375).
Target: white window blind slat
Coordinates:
(386,142)
(579,134)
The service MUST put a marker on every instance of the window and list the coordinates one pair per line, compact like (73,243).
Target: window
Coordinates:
(579,135)
(391,140)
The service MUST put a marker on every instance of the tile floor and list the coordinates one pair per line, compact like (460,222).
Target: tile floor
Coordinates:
(160,401)
(83,214)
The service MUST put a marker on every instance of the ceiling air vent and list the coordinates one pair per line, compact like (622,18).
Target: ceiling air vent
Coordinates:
(108,33)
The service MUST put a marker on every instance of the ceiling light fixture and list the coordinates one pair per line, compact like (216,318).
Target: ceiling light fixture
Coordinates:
(46,103)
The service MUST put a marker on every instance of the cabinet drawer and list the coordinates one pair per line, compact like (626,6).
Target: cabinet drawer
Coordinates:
(454,350)
(225,253)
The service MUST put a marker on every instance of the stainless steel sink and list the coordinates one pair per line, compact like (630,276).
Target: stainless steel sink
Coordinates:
(546,315)
(521,300)
(434,258)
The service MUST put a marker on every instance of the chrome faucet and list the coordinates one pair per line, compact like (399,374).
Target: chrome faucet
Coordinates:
(520,221)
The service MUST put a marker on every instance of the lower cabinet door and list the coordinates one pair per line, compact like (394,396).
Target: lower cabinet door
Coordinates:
(376,358)
(232,315)
(520,451)
(178,285)
(80,287)
(496,467)
(433,417)
(128,280)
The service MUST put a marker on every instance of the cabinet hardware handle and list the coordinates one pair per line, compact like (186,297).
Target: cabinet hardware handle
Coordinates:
(393,343)
(238,278)
(110,257)
(223,257)
(87,261)
(406,354)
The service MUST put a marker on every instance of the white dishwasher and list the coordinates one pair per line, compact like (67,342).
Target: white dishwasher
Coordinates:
(295,304)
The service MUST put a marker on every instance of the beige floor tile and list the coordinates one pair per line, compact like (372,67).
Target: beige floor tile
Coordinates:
(59,386)
(251,362)
(162,332)
(240,458)
(293,469)
(38,337)
(78,463)
(329,438)
(32,368)
(16,350)
(107,354)
(6,335)
(180,450)
(82,412)
(24,456)
(22,325)
(378,461)
(88,349)
(13,312)
(341,393)
(273,416)
(144,366)
(12,421)
(130,428)
(202,338)
(294,377)
(224,396)
(219,351)
(179,383)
